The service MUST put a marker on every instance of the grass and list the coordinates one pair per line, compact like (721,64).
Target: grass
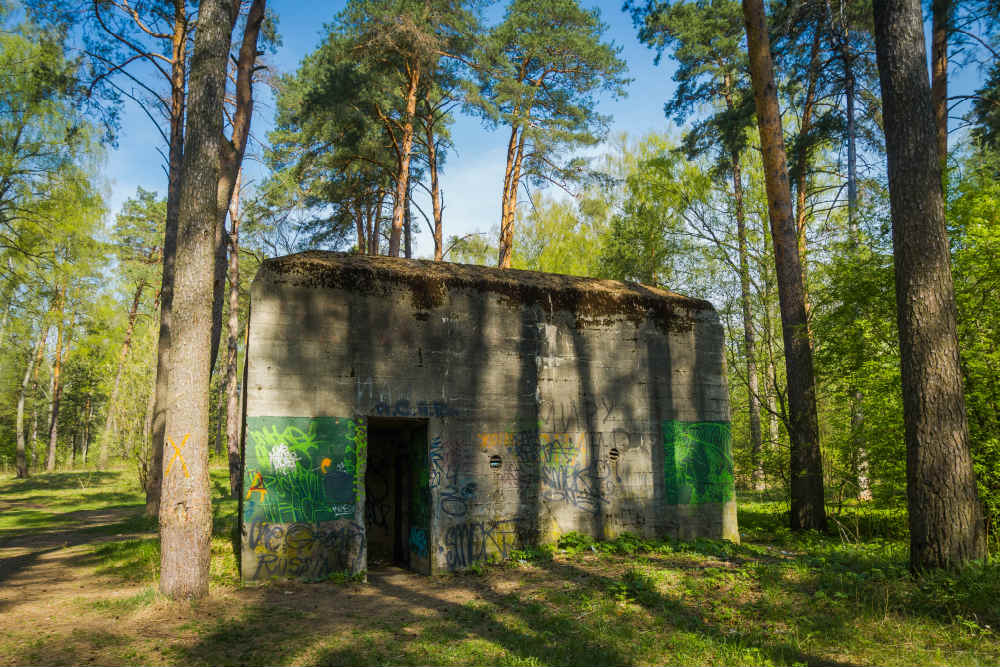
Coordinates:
(777,598)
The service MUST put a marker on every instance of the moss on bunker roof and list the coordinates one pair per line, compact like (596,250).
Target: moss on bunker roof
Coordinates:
(429,282)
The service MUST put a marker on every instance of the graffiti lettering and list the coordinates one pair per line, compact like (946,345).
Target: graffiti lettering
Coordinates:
(585,487)
(470,542)
(403,408)
(310,551)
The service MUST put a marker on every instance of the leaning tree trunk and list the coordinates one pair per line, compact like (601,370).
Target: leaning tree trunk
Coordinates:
(946,525)
(185,504)
(178,101)
(807,508)
(109,421)
(21,462)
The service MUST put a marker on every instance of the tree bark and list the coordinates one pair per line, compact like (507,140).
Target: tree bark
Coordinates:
(178,101)
(506,220)
(406,148)
(946,524)
(807,508)
(940,25)
(20,458)
(185,507)
(233,413)
(109,421)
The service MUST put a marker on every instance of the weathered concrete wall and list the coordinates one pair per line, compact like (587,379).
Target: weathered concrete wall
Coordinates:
(551,404)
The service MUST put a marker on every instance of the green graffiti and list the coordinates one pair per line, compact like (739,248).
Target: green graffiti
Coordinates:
(698,463)
(357,450)
(297,469)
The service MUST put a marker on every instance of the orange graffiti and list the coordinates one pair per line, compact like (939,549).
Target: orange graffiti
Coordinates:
(177,454)
(325,465)
(258,486)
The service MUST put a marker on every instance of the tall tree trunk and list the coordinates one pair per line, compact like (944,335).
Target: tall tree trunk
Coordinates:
(232,159)
(435,195)
(109,421)
(20,459)
(802,170)
(749,342)
(233,413)
(946,524)
(509,212)
(178,101)
(185,506)
(405,149)
(506,217)
(56,395)
(807,508)
(852,150)
(940,25)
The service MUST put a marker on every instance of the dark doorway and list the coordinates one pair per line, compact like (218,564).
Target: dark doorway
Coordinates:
(397,495)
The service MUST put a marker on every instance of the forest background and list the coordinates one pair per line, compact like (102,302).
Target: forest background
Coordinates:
(641,197)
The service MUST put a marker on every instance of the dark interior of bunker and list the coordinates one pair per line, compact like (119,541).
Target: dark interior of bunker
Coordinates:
(397,494)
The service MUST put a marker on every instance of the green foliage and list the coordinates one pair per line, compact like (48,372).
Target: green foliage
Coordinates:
(975,236)
(554,236)
(537,72)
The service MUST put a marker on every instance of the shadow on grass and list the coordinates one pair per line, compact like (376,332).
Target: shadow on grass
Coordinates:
(51,481)
(686,616)
(269,632)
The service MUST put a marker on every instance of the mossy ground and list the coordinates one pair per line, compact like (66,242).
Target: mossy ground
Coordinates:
(79,567)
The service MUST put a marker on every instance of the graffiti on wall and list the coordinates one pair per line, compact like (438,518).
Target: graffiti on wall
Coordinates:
(469,542)
(310,551)
(697,462)
(300,469)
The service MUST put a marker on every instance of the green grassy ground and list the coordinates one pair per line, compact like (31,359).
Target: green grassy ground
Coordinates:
(79,567)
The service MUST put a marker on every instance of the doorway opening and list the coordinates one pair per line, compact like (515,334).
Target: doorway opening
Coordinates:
(397,494)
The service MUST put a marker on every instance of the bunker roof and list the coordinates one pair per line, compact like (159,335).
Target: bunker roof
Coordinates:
(429,282)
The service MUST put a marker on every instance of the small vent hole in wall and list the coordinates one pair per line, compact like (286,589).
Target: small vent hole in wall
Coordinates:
(613,454)
(495,462)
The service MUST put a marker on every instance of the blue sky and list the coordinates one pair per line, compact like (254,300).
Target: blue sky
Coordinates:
(473,176)
(472,179)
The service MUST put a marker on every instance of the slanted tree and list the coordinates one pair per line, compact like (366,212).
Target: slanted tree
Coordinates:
(946,527)
(537,73)
(807,502)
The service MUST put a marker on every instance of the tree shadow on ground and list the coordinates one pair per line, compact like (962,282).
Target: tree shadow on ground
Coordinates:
(683,615)
(59,480)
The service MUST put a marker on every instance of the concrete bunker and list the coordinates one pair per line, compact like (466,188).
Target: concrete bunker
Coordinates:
(437,415)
